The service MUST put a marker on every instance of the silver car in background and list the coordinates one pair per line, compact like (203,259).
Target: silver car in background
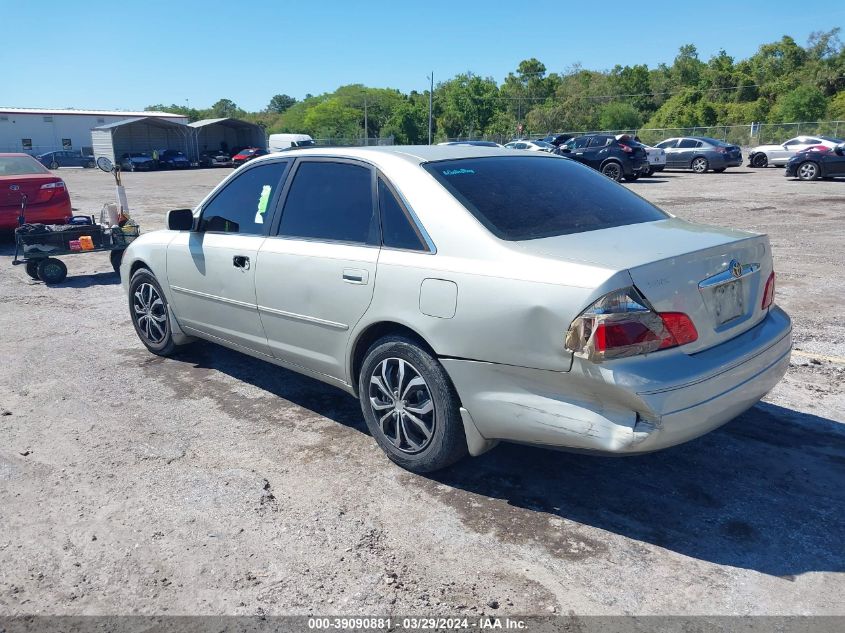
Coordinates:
(468,295)
(779,155)
(700,154)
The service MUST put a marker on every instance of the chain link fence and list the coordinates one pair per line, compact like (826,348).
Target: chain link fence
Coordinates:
(355,142)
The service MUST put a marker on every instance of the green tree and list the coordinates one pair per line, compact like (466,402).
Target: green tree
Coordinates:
(465,104)
(686,71)
(618,115)
(280,103)
(225,108)
(836,108)
(332,119)
(805,103)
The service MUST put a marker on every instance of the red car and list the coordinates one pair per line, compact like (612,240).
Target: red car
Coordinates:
(47,199)
(247,154)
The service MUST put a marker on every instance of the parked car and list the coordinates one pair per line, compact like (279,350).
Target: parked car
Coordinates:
(575,315)
(215,158)
(557,139)
(474,143)
(247,154)
(65,158)
(656,156)
(779,155)
(531,146)
(282,142)
(47,199)
(813,163)
(700,154)
(137,161)
(172,159)
(604,153)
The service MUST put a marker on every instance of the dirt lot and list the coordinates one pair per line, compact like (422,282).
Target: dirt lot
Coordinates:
(215,483)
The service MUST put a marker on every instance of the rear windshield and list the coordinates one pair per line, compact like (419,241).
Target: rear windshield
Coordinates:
(526,198)
(20,166)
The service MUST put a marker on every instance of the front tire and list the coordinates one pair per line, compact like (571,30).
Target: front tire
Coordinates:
(410,406)
(808,171)
(699,165)
(612,170)
(54,165)
(760,160)
(150,316)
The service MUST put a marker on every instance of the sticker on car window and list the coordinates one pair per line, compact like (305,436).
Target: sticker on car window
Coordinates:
(263,200)
(457,172)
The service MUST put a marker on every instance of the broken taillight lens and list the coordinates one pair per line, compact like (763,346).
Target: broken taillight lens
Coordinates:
(622,323)
(769,292)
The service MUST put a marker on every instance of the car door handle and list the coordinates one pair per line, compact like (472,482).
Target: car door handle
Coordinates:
(355,276)
(240,261)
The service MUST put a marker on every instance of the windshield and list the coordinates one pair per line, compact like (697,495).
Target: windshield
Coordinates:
(20,166)
(831,139)
(526,198)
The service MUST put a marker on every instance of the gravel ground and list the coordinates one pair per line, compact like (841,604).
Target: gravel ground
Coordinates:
(217,484)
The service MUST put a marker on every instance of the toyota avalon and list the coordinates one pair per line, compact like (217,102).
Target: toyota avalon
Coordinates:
(468,295)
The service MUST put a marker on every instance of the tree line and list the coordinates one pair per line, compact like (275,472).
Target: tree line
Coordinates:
(782,82)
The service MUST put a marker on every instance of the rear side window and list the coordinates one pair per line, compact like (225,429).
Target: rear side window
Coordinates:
(525,198)
(689,142)
(331,201)
(397,230)
(242,205)
(667,144)
(600,141)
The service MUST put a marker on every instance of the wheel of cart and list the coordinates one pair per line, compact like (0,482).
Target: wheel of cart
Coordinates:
(116,257)
(50,270)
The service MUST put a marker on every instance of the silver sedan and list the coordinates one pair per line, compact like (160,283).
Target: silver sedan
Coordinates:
(469,295)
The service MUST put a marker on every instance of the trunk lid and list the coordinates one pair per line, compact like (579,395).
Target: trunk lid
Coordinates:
(679,266)
(12,188)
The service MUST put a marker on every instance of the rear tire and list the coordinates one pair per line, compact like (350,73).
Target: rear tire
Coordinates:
(650,172)
(808,170)
(612,170)
(32,268)
(699,165)
(759,160)
(149,313)
(54,165)
(410,406)
(52,270)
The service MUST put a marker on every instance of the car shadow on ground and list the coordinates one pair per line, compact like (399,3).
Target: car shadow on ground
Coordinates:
(765,492)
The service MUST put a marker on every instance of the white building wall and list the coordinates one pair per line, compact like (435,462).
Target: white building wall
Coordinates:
(47,131)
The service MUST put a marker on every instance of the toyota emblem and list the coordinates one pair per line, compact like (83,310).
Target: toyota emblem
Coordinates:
(736,268)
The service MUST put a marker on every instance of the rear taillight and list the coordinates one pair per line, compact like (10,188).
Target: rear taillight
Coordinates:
(626,148)
(48,190)
(622,324)
(769,292)
(721,150)
(818,148)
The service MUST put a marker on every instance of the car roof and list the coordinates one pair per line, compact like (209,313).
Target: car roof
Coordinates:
(416,154)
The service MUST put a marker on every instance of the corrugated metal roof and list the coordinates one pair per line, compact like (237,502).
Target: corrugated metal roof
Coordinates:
(225,121)
(126,113)
(152,120)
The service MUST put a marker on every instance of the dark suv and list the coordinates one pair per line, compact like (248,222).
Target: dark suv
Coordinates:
(615,159)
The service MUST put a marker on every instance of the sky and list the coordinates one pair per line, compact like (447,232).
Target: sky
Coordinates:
(128,55)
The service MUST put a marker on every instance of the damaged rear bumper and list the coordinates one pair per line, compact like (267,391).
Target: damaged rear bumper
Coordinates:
(632,405)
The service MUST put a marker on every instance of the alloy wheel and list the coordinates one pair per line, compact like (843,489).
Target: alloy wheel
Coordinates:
(402,404)
(149,313)
(612,171)
(808,171)
(699,165)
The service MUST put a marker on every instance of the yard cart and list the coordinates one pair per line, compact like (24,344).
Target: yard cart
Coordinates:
(40,246)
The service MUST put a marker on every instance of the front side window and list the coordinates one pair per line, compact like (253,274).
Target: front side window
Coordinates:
(242,206)
(525,198)
(331,201)
(397,229)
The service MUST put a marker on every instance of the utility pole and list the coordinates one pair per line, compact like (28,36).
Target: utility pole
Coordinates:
(430,104)
(366,134)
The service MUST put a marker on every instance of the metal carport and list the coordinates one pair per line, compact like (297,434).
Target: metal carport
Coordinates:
(226,134)
(141,134)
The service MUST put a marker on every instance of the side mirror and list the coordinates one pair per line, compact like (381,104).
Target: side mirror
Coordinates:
(105,164)
(180,220)
(565,149)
